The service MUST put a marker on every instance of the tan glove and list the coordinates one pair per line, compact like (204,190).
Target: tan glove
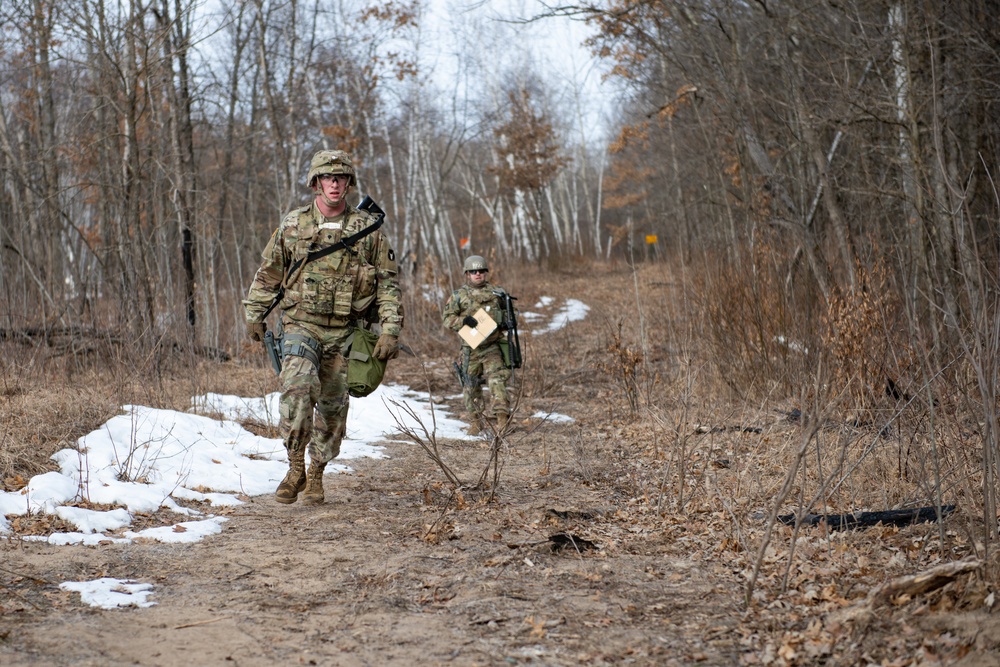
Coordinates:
(256,331)
(387,347)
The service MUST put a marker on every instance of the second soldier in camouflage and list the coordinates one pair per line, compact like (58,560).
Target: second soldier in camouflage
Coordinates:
(487,361)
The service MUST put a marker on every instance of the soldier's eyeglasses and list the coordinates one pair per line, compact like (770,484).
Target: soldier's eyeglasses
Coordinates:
(478,271)
(342,178)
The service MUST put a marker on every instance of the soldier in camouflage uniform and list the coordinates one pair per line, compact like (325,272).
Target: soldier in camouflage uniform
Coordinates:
(487,360)
(321,302)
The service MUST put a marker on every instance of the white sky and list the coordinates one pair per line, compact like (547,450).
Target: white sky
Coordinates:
(493,38)
(467,49)
(146,460)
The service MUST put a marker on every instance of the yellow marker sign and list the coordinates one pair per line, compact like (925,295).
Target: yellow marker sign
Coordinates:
(650,239)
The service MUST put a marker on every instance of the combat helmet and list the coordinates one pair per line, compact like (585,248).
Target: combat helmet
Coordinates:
(475,263)
(331,162)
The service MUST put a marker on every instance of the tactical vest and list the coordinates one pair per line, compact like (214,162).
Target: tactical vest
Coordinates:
(337,287)
(485,298)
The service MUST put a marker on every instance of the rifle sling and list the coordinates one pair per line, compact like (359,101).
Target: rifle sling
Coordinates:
(322,252)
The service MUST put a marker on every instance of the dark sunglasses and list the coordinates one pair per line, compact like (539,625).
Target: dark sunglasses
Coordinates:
(478,271)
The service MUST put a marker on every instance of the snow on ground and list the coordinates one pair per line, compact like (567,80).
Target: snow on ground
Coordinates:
(108,593)
(554,417)
(571,311)
(147,459)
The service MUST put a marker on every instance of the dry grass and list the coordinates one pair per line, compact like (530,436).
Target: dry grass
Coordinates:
(44,415)
(723,430)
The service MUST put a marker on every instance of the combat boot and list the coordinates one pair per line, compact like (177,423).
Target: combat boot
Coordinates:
(295,479)
(504,424)
(313,495)
(475,424)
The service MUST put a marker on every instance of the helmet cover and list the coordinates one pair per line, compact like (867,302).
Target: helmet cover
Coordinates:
(331,162)
(475,263)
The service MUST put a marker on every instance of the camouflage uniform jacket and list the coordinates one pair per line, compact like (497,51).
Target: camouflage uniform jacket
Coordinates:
(332,290)
(467,300)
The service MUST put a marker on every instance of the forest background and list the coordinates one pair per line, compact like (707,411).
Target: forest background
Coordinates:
(819,175)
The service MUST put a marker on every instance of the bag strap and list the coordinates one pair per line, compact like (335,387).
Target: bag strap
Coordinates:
(369,205)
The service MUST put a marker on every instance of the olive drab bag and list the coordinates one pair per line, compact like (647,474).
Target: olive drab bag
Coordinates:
(364,371)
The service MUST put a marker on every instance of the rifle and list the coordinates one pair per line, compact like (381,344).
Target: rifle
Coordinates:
(462,370)
(510,323)
(368,204)
(463,377)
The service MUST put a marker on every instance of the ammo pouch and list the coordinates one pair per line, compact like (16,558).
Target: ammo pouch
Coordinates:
(364,371)
(505,352)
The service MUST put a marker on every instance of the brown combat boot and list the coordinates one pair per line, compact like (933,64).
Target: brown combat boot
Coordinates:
(475,426)
(504,425)
(295,479)
(313,495)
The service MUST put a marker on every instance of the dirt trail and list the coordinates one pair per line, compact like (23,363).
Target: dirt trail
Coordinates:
(389,572)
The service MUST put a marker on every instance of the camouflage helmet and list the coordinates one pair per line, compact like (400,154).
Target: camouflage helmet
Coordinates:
(331,162)
(475,263)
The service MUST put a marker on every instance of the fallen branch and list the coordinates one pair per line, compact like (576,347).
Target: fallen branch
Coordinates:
(905,588)
(923,582)
(556,542)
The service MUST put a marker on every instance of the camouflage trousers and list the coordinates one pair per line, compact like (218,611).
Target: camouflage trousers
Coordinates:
(487,361)
(314,399)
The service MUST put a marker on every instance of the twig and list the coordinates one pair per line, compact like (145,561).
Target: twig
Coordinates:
(437,521)
(20,595)
(191,625)
(410,433)
(35,579)
(786,488)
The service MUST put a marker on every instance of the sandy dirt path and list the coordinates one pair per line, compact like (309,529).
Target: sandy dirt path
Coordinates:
(391,570)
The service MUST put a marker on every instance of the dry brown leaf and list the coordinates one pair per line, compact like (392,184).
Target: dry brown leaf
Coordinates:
(537,627)
(15,483)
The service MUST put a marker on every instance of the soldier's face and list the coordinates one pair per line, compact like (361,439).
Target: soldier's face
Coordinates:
(476,277)
(332,187)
